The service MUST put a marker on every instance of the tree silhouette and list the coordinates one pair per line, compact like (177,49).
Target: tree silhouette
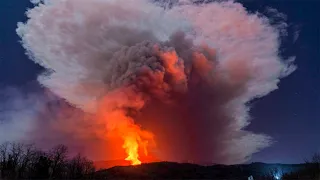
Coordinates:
(58,156)
(311,170)
(21,161)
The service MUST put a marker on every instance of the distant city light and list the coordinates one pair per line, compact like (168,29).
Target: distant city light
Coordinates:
(277,176)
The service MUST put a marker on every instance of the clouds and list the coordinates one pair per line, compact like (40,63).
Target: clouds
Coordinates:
(18,110)
(185,73)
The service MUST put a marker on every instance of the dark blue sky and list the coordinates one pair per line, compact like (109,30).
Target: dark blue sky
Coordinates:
(291,114)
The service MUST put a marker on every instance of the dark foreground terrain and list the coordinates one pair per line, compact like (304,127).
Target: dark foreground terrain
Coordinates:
(169,170)
(21,161)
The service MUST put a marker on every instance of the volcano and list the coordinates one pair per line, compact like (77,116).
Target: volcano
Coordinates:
(121,162)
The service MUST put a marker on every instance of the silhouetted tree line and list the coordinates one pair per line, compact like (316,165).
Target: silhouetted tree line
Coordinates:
(22,161)
(311,170)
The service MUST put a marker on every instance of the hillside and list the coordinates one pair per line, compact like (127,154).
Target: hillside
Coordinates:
(121,162)
(170,170)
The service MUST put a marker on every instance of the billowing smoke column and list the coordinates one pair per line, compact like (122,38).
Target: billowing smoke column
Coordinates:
(175,81)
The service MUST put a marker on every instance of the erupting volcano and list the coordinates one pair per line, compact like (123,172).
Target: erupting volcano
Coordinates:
(144,79)
(134,139)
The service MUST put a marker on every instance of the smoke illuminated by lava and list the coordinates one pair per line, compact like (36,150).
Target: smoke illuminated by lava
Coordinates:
(114,111)
(174,82)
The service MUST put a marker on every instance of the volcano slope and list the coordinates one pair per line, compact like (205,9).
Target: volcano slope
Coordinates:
(171,170)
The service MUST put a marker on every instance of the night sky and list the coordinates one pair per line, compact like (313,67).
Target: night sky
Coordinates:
(290,114)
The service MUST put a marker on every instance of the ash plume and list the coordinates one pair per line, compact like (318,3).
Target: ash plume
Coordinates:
(181,76)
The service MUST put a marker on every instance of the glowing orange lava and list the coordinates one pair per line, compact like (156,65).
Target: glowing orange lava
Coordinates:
(135,140)
(131,146)
(113,112)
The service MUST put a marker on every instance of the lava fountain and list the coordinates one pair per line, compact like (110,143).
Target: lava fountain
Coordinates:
(120,124)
